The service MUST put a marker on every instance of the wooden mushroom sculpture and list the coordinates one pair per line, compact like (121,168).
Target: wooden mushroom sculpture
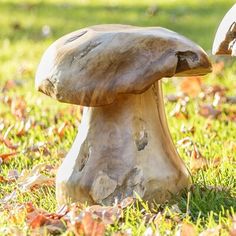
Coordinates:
(123,145)
(225,38)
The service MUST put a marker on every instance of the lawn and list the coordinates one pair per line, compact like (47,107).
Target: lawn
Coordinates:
(35,129)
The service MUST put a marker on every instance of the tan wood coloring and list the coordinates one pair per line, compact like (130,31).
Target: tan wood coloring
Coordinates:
(123,145)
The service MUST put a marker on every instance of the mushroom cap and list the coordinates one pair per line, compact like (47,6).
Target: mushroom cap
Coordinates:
(92,66)
(225,38)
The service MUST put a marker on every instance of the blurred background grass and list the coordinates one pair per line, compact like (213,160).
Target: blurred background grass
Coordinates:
(22,22)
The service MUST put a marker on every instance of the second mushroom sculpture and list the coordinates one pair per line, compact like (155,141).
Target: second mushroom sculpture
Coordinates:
(123,146)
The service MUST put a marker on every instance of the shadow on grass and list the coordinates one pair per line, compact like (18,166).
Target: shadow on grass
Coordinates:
(206,200)
(197,21)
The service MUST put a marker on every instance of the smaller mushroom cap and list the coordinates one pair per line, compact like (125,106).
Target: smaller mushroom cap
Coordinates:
(225,38)
(92,66)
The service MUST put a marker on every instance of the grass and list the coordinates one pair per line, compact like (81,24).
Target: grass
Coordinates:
(22,45)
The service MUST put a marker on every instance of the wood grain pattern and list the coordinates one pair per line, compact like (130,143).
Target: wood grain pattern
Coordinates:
(123,146)
(92,66)
(121,149)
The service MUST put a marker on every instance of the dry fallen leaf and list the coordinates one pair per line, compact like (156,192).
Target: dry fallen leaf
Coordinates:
(197,160)
(88,226)
(6,156)
(190,129)
(18,107)
(7,142)
(24,127)
(187,230)
(41,221)
(180,111)
(13,175)
(208,111)
(108,214)
(32,178)
(38,147)
(211,232)
(212,90)
(191,86)
(126,202)
(8,197)
(218,67)
(232,230)
(3,179)
(61,129)
(10,84)
(185,142)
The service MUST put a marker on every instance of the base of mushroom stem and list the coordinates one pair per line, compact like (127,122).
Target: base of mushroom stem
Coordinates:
(121,150)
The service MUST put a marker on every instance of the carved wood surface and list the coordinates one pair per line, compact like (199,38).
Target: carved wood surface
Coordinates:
(123,145)
(225,39)
(92,66)
(121,149)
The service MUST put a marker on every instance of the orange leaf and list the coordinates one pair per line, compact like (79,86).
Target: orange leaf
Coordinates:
(3,179)
(18,107)
(232,230)
(89,226)
(61,130)
(187,230)
(8,143)
(6,156)
(218,67)
(191,86)
(37,221)
(92,227)
(197,160)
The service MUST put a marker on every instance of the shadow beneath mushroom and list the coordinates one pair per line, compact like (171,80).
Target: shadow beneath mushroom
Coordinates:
(201,201)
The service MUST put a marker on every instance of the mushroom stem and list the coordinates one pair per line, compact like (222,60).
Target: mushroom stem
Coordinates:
(122,149)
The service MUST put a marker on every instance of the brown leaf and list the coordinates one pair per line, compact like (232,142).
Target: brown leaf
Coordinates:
(108,214)
(190,129)
(211,232)
(6,156)
(126,202)
(24,127)
(232,230)
(9,84)
(212,90)
(180,111)
(61,129)
(185,142)
(89,227)
(37,220)
(187,230)
(13,175)
(191,86)
(8,143)
(36,147)
(3,179)
(33,178)
(197,160)
(18,107)
(218,67)
(208,111)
